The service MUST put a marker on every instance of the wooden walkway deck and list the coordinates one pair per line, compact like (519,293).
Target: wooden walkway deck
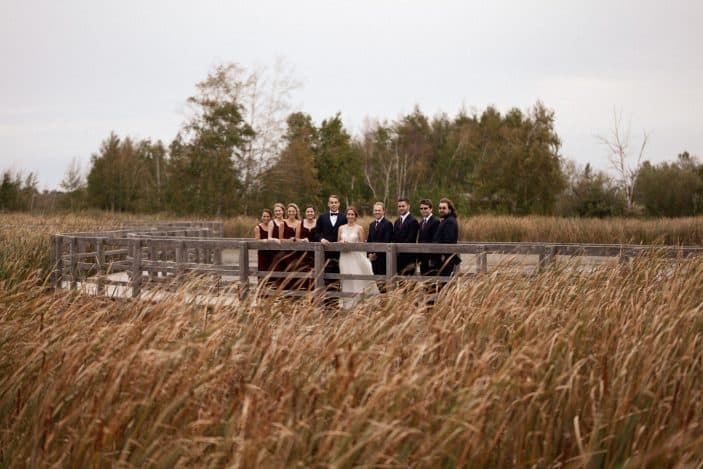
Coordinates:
(165,252)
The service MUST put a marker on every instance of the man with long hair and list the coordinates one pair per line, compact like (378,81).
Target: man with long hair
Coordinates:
(447,233)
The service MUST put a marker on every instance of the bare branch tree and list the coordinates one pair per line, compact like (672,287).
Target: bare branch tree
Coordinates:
(620,158)
(378,161)
(264,94)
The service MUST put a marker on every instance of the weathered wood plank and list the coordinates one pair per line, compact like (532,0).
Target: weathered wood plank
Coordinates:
(136,268)
(244,269)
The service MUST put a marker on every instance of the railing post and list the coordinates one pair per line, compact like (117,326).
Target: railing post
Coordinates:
(74,263)
(100,262)
(136,246)
(482,261)
(623,257)
(547,258)
(243,269)
(319,268)
(180,258)
(57,261)
(200,251)
(217,255)
(391,263)
(153,256)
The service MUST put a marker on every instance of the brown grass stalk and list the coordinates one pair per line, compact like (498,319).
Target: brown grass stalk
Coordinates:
(562,368)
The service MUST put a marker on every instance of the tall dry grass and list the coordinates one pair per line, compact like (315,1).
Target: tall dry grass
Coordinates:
(25,239)
(489,228)
(493,228)
(668,231)
(563,368)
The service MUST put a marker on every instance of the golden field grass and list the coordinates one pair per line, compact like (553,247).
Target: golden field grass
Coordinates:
(488,228)
(560,369)
(492,228)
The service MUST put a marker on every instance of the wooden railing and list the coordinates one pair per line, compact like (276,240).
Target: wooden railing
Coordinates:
(167,251)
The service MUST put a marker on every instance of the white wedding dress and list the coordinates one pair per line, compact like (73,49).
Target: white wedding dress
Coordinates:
(354,262)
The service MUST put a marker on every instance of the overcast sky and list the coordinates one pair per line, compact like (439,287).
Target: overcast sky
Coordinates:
(73,71)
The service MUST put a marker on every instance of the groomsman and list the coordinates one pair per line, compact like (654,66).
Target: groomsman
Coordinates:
(380,231)
(326,230)
(428,227)
(447,233)
(405,230)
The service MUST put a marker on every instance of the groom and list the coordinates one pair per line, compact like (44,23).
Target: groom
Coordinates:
(326,231)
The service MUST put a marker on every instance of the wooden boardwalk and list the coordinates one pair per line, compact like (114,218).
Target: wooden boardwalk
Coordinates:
(134,259)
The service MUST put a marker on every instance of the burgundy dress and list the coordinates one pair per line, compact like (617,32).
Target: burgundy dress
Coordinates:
(307,260)
(263,257)
(287,258)
(275,254)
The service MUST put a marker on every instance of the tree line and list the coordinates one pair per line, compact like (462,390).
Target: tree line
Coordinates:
(243,149)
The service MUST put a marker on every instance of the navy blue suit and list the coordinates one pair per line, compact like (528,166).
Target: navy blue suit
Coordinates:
(406,233)
(426,235)
(447,233)
(380,232)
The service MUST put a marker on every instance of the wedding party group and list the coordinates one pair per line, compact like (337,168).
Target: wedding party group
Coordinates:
(284,224)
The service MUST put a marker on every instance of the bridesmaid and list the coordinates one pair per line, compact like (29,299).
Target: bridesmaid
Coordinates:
(305,233)
(307,226)
(290,228)
(261,233)
(276,234)
(292,223)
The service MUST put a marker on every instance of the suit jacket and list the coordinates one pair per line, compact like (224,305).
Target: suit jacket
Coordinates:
(383,233)
(407,233)
(447,233)
(426,235)
(324,228)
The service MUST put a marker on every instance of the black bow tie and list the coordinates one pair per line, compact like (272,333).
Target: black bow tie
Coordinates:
(334,214)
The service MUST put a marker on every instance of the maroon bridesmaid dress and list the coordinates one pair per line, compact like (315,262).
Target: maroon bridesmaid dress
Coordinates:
(307,260)
(263,257)
(287,258)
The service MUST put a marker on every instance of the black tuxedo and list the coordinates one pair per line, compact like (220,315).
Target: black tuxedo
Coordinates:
(426,235)
(406,233)
(447,233)
(325,230)
(380,232)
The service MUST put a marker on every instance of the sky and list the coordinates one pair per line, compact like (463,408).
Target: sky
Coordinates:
(73,71)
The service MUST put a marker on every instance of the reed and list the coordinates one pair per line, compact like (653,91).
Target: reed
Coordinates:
(563,368)
(669,231)
(493,228)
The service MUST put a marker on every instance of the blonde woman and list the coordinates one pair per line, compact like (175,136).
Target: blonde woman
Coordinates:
(276,234)
(276,231)
(292,223)
(286,259)
(305,233)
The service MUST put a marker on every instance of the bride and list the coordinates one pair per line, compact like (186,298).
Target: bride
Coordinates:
(354,262)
